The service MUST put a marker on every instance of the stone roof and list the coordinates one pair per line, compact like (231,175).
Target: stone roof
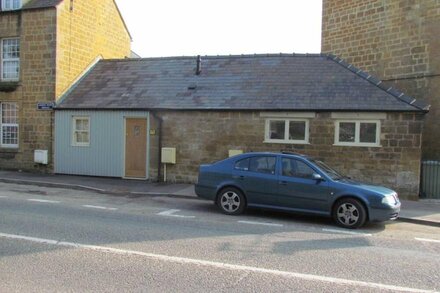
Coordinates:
(305,82)
(36,4)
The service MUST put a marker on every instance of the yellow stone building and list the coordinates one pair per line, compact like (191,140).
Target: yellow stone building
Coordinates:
(46,45)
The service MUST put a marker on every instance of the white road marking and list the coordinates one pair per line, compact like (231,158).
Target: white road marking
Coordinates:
(150,193)
(207,263)
(170,213)
(99,207)
(3,196)
(43,200)
(347,232)
(427,240)
(261,223)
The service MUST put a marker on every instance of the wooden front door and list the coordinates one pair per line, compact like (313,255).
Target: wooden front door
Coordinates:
(136,147)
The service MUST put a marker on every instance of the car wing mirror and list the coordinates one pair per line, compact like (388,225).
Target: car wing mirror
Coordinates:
(317,177)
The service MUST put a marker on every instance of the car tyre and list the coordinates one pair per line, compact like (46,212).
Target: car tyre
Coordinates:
(231,201)
(349,213)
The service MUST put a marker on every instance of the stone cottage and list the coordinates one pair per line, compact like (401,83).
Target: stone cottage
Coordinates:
(117,118)
(46,46)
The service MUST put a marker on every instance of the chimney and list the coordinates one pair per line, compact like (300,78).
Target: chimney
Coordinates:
(199,65)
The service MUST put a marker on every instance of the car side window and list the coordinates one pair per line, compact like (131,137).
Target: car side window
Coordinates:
(242,165)
(263,164)
(296,168)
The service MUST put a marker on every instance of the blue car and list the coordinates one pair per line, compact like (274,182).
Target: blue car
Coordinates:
(294,183)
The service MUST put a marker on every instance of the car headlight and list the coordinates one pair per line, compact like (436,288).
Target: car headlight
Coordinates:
(389,200)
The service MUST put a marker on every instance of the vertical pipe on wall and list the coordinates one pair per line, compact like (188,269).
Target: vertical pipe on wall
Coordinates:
(159,155)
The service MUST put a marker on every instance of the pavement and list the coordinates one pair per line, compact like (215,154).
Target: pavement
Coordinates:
(423,211)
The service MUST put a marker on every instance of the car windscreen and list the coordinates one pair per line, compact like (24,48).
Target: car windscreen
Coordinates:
(333,174)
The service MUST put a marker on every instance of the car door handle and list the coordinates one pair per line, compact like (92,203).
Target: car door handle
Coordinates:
(241,177)
(282,182)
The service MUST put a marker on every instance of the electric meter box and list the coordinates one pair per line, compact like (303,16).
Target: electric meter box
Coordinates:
(40,157)
(235,152)
(168,155)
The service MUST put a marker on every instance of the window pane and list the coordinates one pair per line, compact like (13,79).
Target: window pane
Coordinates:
(277,129)
(11,4)
(297,130)
(82,137)
(263,164)
(303,170)
(11,70)
(81,134)
(347,131)
(368,132)
(84,125)
(10,135)
(296,168)
(242,165)
(11,49)
(10,58)
(9,113)
(17,4)
(81,124)
(288,167)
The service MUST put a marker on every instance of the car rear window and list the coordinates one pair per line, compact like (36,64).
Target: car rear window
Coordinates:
(263,164)
(242,165)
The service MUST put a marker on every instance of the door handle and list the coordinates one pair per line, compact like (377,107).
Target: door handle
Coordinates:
(282,182)
(241,177)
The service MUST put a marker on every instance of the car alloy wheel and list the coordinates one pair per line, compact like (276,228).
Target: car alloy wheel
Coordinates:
(231,201)
(349,213)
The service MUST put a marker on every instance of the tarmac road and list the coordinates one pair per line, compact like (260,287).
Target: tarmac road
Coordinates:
(66,240)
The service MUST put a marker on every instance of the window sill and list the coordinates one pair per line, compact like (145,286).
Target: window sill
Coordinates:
(8,86)
(366,145)
(4,149)
(286,142)
(80,145)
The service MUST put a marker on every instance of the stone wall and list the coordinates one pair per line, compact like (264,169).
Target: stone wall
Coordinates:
(57,45)
(36,29)
(395,40)
(204,137)
(85,31)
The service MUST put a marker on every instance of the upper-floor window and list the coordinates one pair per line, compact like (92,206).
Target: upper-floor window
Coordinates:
(8,125)
(357,133)
(10,59)
(287,131)
(11,4)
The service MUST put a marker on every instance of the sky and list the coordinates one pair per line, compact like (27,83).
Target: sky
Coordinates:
(213,27)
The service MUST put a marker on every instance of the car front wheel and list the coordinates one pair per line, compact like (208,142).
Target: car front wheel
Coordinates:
(349,213)
(231,201)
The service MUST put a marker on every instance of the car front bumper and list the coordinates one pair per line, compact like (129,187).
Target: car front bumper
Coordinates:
(384,213)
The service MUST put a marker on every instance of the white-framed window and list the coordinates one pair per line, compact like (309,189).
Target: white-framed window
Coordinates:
(292,131)
(10,59)
(81,131)
(9,125)
(11,5)
(357,133)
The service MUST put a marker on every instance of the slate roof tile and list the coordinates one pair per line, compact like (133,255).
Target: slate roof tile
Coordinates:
(310,82)
(36,4)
